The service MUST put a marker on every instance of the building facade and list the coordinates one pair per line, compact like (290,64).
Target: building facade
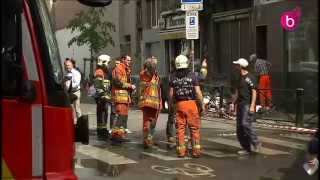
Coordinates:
(235,29)
(122,13)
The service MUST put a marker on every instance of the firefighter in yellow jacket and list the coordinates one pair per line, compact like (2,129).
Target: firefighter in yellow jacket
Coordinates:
(149,99)
(121,89)
(102,84)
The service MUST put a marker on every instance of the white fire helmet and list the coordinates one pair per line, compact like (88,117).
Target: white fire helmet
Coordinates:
(181,62)
(103,60)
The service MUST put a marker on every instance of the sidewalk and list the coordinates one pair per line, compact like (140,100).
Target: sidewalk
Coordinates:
(134,118)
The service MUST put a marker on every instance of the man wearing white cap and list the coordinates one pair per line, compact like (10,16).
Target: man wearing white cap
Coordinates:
(246,101)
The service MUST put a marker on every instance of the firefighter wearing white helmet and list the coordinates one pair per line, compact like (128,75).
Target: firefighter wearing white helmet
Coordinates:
(103,60)
(185,93)
(181,62)
(102,84)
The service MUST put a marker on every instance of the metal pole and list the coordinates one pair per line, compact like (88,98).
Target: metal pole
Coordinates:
(192,54)
(221,101)
(299,107)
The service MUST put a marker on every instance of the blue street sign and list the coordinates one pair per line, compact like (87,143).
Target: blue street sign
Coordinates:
(191,1)
(192,20)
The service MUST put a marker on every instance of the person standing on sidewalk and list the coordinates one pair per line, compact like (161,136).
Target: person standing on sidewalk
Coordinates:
(201,74)
(262,69)
(72,81)
(246,101)
(171,114)
(102,84)
(121,88)
(149,100)
(186,94)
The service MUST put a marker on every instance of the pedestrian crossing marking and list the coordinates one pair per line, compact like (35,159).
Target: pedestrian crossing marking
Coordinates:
(297,137)
(279,142)
(78,166)
(117,159)
(234,143)
(104,155)
(217,154)
(162,150)
(164,157)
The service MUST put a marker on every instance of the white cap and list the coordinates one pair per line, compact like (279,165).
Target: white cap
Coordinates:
(242,62)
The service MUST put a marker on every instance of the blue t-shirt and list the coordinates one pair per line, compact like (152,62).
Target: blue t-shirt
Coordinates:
(183,83)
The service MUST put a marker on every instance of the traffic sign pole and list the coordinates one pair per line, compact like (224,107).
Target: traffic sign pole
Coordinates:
(192,54)
(192,22)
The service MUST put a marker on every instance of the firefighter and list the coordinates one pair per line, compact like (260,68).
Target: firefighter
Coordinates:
(102,84)
(201,74)
(121,89)
(149,100)
(186,94)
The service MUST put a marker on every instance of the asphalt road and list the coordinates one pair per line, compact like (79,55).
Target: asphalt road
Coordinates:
(281,156)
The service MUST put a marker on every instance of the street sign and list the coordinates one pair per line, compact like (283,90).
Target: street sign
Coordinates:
(192,7)
(192,25)
(191,1)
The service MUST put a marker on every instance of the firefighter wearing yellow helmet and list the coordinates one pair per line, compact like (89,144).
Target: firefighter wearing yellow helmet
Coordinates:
(102,84)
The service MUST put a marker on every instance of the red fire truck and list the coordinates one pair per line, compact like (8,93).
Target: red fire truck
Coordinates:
(37,132)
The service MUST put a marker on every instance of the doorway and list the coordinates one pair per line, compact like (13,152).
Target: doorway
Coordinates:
(261,42)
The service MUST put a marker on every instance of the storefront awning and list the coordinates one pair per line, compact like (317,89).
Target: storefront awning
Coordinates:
(172,35)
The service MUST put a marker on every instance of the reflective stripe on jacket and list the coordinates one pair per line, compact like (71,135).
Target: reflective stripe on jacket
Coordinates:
(149,90)
(121,84)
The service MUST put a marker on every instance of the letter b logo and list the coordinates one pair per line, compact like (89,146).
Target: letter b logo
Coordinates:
(290,19)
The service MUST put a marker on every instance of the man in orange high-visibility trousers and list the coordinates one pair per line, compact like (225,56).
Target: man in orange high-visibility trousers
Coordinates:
(149,100)
(121,87)
(186,94)
(262,69)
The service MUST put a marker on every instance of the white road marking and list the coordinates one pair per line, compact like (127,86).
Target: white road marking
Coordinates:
(234,143)
(211,153)
(78,166)
(217,154)
(104,155)
(164,157)
(293,145)
(297,136)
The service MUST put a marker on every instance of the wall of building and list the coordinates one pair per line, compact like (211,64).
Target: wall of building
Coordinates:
(294,55)
(64,11)
(77,53)
(112,14)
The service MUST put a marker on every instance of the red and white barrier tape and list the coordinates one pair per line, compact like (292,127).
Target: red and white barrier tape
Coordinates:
(289,128)
(262,123)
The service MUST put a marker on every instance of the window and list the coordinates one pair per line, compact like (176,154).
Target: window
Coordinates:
(125,47)
(51,43)
(11,71)
(302,48)
(153,13)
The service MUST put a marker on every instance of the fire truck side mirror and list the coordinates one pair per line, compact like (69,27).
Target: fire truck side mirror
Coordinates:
(96,3)
(28,91)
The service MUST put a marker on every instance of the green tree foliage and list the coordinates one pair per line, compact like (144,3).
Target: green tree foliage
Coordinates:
(95,30)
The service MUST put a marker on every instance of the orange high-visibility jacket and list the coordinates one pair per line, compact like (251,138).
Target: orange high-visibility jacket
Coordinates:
(121,84)
(149,90)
